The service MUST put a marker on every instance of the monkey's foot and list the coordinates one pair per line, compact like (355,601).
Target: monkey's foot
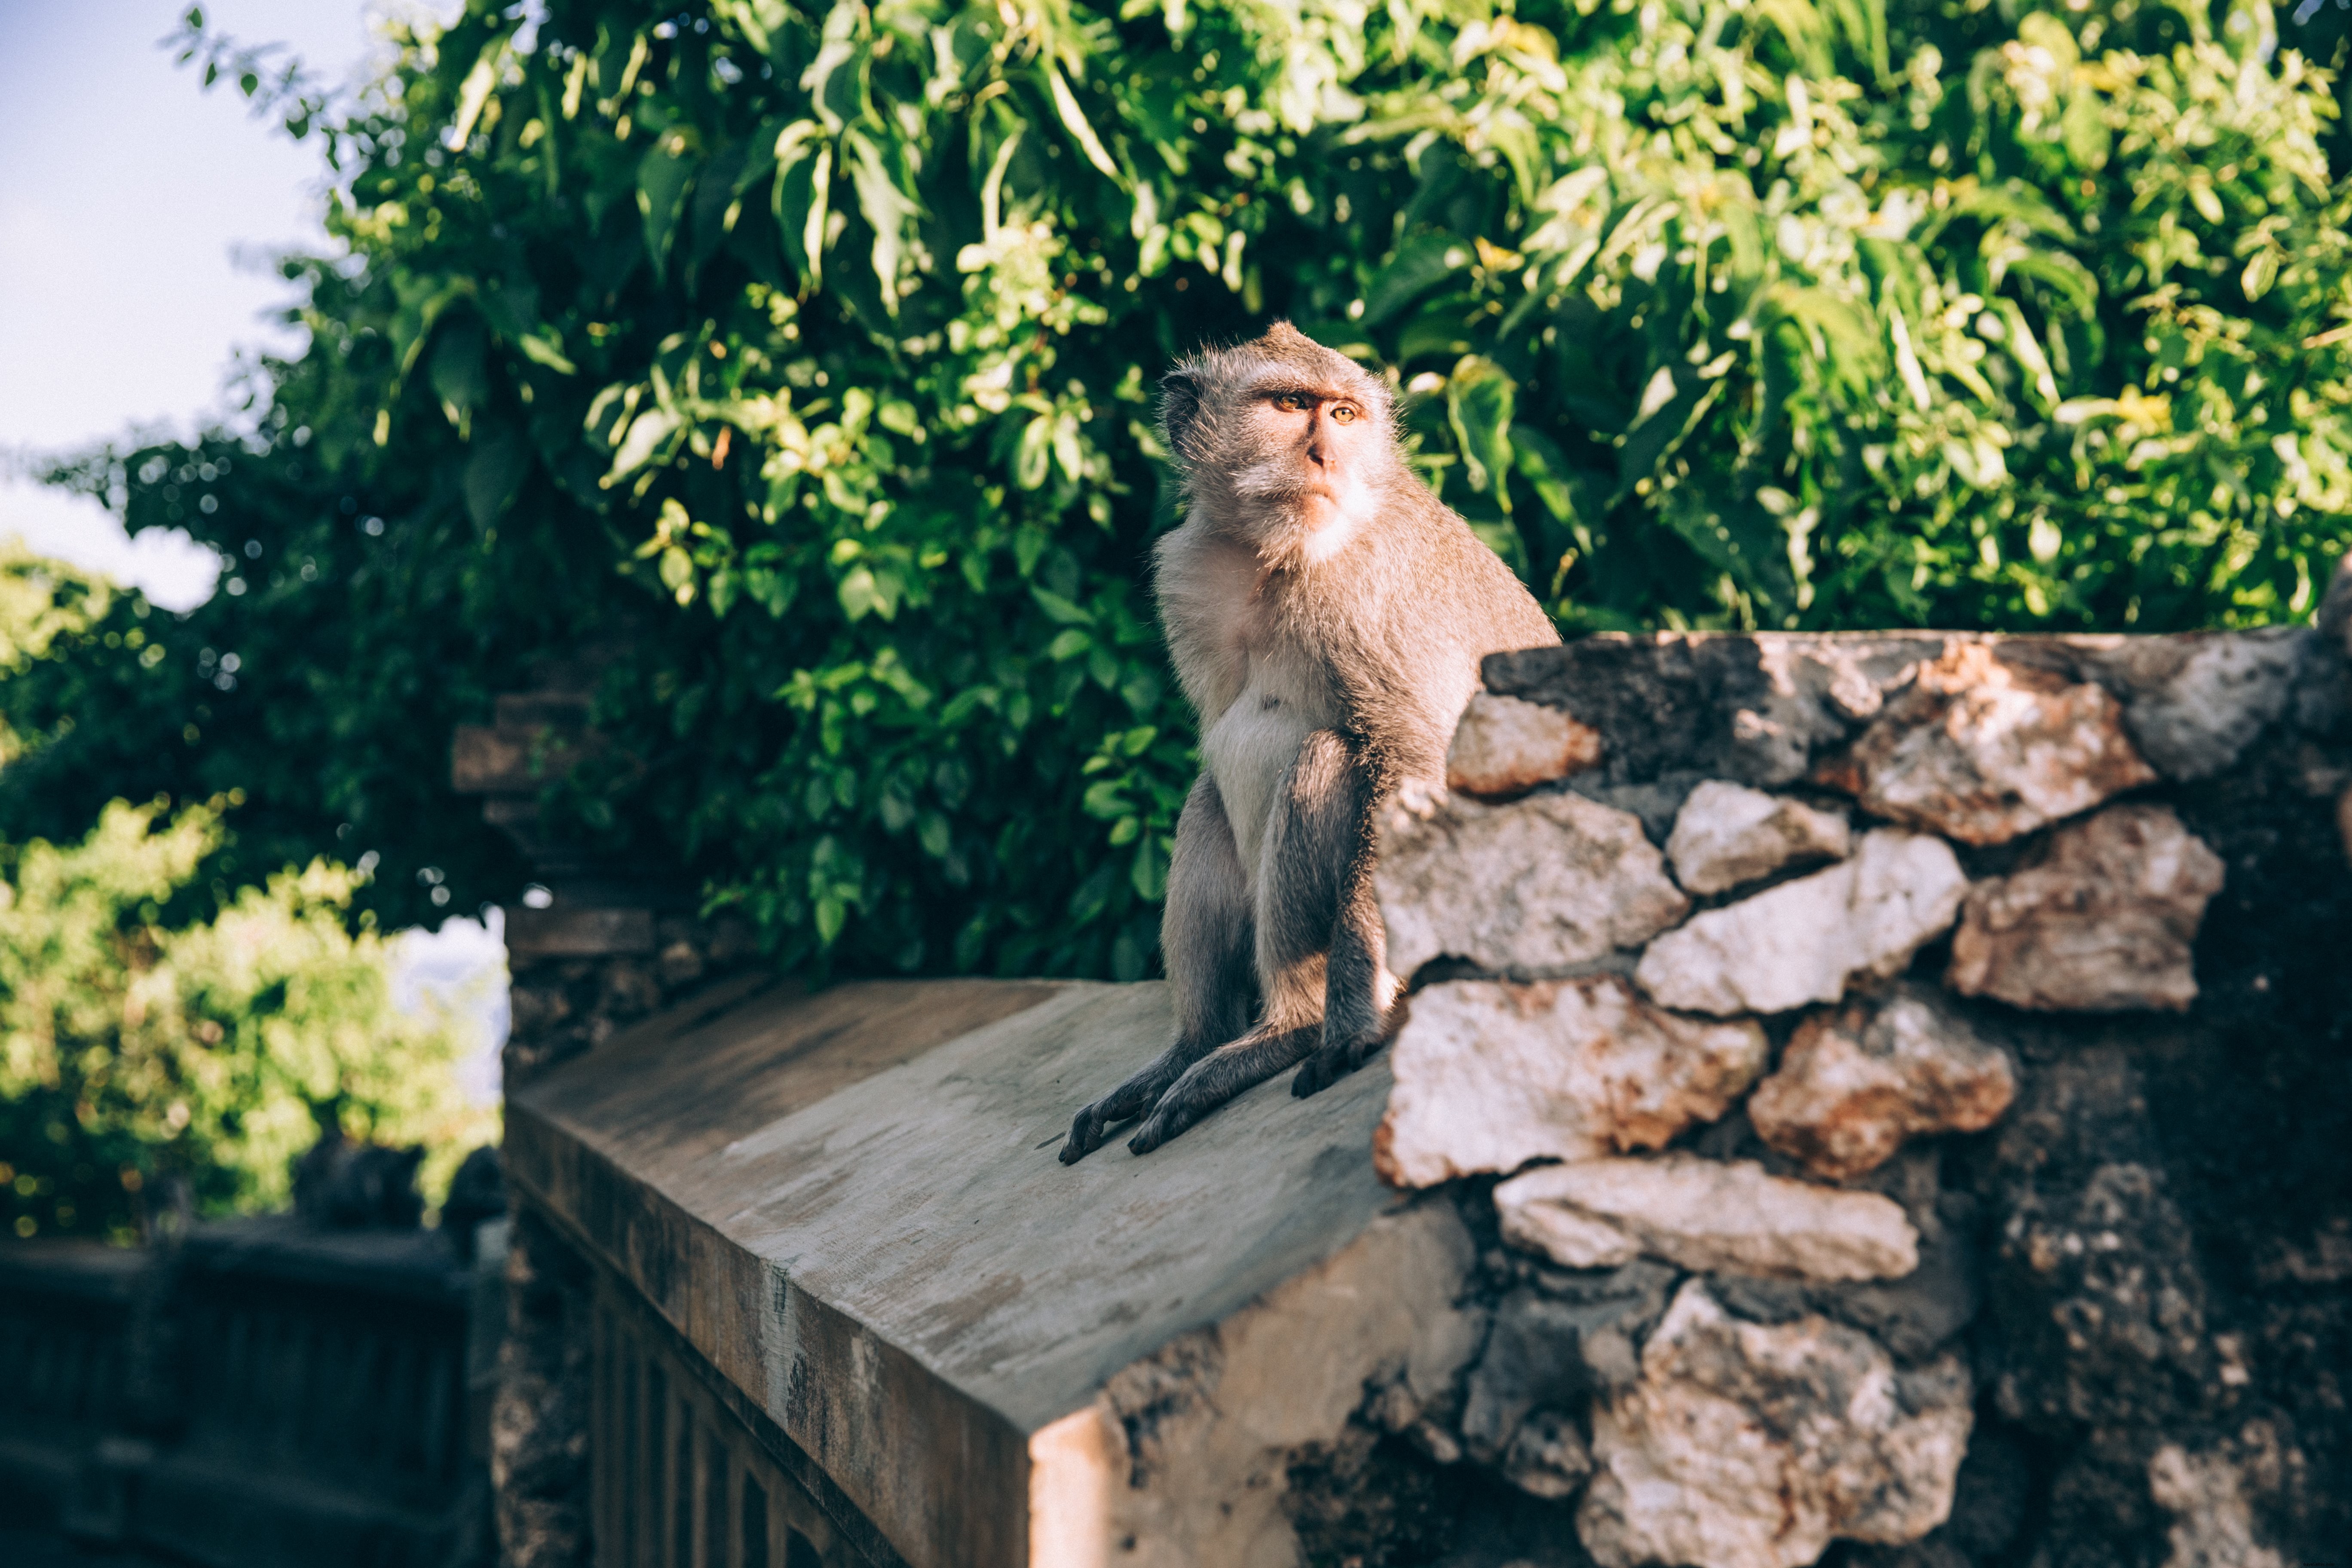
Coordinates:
(1090,1129)
(1165,1122)
(1335,1060)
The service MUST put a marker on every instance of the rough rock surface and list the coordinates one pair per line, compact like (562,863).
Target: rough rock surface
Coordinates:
(2197,701)
(1704,1214)
(1805,940)
(1855,1083)
(1553,1346)
(1753,1446)
(1727,834)
(1505,746)
(1542,883)
(1914,1317)
(539,1413)
(1983,751)
(1756,710)
(2213,1524)
(2104,920)
(1490,1075)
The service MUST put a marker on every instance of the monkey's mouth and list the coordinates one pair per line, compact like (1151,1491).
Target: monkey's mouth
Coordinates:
(1282,484)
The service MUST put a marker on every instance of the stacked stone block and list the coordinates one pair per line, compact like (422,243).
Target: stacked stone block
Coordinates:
(599,945)
(1832,1012)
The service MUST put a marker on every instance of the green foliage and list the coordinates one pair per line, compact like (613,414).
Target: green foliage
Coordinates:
(804,357)
(134,1056)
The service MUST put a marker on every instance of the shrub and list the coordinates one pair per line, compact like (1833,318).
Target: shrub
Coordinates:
(806,357)
(134,1056)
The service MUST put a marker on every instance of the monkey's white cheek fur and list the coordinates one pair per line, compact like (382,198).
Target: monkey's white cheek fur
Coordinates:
(1331,524)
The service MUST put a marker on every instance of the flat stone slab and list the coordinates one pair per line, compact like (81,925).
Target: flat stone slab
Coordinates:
(849,1204)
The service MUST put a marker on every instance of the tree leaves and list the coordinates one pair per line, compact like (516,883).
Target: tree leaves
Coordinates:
(663,176)
(1819,313)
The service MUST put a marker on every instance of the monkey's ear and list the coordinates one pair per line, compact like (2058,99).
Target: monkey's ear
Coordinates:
(1179,410)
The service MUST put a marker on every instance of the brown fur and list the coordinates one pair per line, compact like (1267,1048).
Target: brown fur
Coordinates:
(1327,616)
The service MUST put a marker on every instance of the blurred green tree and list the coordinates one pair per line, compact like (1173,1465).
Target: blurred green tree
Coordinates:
(142,1056)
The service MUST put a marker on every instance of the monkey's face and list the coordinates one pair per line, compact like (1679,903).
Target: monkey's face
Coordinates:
(1283,442)
(1312,456)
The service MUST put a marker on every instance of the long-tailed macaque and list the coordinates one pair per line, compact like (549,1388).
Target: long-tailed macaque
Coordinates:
(1326,615)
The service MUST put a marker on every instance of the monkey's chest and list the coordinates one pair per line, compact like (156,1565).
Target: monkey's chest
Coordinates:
(1250,749)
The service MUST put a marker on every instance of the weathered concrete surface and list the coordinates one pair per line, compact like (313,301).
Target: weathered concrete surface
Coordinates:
(2104,920)
(1806,941)
(1753,1446)
(1503,746)
(1490,1075)
(1704,1214)
(845,1202)
(1543,883)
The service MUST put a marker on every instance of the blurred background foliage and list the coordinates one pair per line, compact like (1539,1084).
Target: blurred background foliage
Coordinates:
(152,1066)
(799,363)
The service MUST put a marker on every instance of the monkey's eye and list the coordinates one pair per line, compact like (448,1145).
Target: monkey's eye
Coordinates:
(1290,402)
(1344,413)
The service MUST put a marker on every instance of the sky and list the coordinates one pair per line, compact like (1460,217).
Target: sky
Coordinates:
(138,219)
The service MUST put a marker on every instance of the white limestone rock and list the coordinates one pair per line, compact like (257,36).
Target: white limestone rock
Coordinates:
(1544,882)
(1705,1215)
(1855,1083)
(2212,1519)
(1983,751)
(1491,1075)
(1506,746)
(1727,834)
(2105,921)
(1754,1446)
(1805,940)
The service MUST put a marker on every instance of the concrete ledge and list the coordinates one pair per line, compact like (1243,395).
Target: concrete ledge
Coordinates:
(848,1204)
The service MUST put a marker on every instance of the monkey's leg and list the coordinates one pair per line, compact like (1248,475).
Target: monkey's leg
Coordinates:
(1205,934)
(1358,986)
(1304,857)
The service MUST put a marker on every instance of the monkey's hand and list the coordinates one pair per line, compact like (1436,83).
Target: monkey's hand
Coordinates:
(1333,1061)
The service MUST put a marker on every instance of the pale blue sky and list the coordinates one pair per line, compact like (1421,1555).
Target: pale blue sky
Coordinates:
(138,216)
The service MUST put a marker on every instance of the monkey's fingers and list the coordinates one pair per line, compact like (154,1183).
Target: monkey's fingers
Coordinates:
(1090,1128)
(1085,1135)
(1166,1120)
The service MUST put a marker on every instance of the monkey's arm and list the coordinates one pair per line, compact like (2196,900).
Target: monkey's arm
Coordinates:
(1316,834)
(1358,986)
(1206,934)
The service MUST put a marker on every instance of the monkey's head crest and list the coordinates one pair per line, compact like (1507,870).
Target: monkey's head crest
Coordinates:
(1280,434)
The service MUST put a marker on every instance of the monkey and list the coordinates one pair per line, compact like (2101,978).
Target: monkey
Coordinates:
(1326,614)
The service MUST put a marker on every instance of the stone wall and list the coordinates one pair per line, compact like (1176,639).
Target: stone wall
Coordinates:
(1900,1086)
(577,976)
(599,945)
